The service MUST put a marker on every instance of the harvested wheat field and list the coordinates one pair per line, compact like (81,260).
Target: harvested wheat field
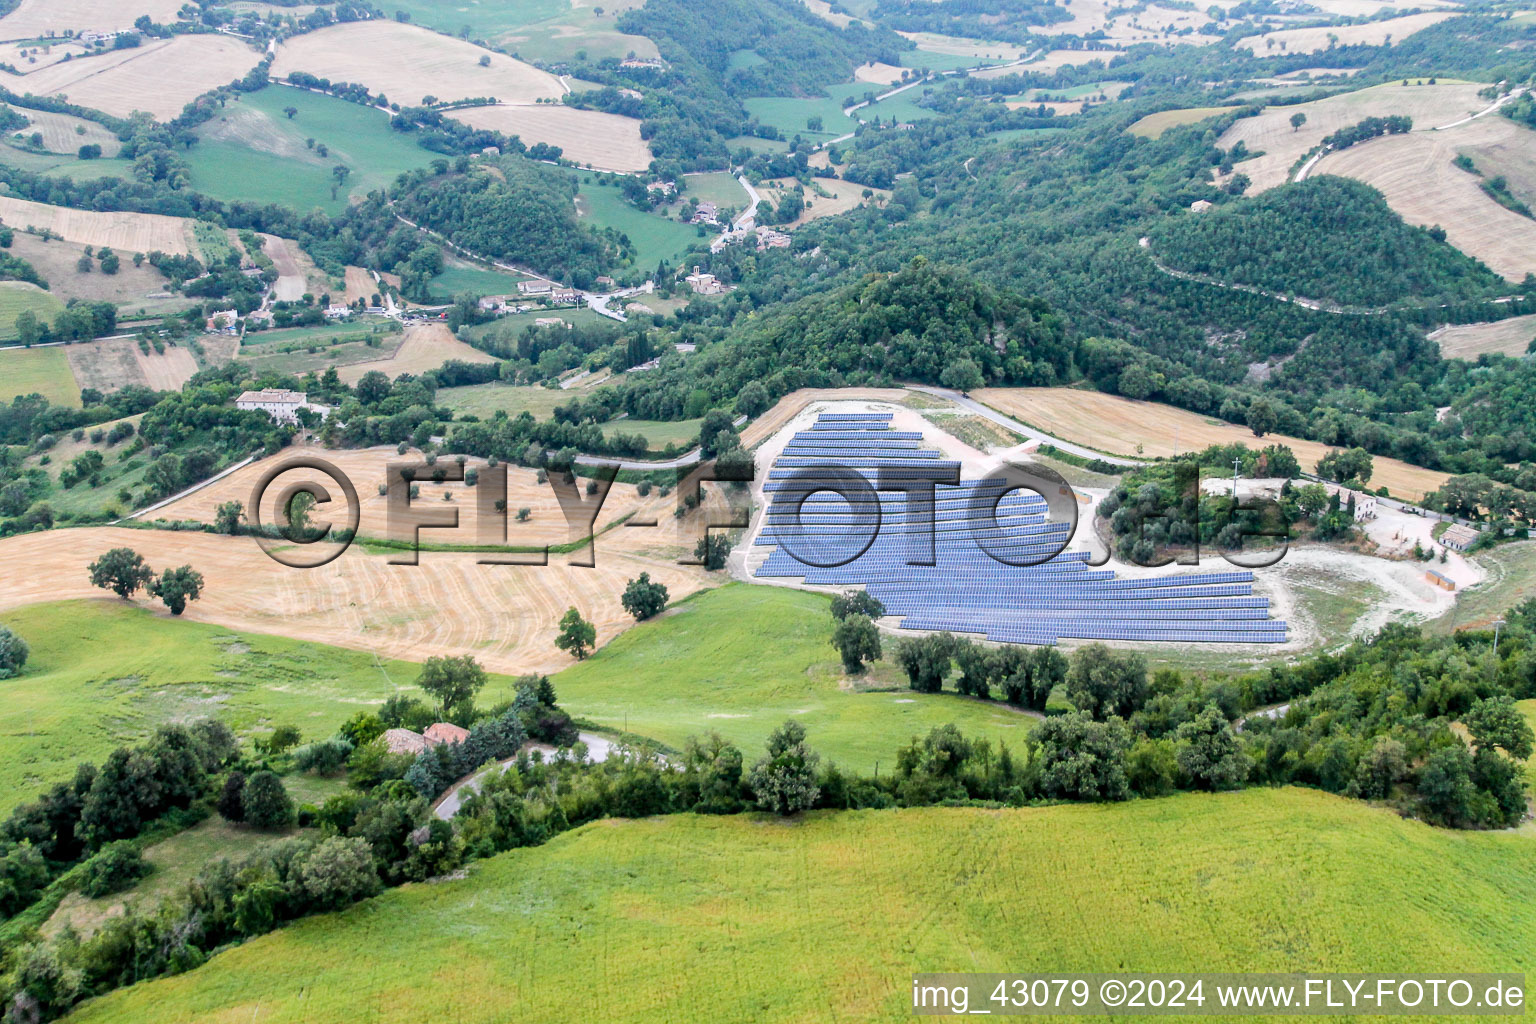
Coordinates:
(296,272)
(64,133)
(117,363)
(1117,425)
(367,468)
(34,19)
(1153,125)
(505,616)
(1421,183)
(607,142)
(794,403)
(823,10)
(1511,337)
(360,285)
(878,74)
(1055,60)
(426,347)
(38,57)
(1315,40)
(1271,134)
(159,77)
(958,46)
(124,232)
(842,197)
(406,64)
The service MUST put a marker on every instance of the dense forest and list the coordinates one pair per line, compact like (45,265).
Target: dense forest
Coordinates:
(1300,239)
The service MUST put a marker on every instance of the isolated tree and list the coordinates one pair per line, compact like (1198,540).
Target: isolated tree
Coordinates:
(341,172)
(784,781)
(454,681)
(577,635)
(176,587)
(292,112)
(1297,120)
(961,375)
(266,803)
(644,598)
(713,549)
(122,571)
(857,641)
(13,653)
(226,519)
(485,60)
(1261,417)
(28,329)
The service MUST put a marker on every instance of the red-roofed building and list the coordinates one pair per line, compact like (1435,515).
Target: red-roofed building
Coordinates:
(445,732)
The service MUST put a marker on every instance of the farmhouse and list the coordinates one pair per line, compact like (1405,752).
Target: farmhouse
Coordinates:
(705,213)
(767,238)
(494,304)
(1458,537)
(704,284)
(405,741)
(223,320)
(336,311)
(1364,504)
(282,405)
(566,295)
(642,62)
(549,321)
(1200,205)
(534,287)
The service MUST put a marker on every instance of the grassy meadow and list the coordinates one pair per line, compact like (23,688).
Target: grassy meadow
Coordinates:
(696,669)
(256,153)
(655,238)
(43,370)
(18,296)
(827,917)
(104,673)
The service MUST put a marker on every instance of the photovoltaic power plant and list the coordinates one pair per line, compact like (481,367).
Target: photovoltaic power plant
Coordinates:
(830,529)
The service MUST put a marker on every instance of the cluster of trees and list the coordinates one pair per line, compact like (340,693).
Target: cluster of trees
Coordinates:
(1369,128)
(124,572)
(1008,20)
(79,320)
(1326,238)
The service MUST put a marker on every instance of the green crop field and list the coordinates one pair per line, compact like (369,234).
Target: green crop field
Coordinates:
(485,400)
(459,277)
(657,433)
(17,296)
(718,187)
(484,18)
(789,113)
(43,370)
(255,152)
(104,673)
(655,237)
(741,659)
(685,917)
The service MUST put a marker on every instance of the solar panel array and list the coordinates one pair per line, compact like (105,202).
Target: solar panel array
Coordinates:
(828,525)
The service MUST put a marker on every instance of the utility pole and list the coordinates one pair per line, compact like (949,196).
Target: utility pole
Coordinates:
(1498,624)
(1237,462)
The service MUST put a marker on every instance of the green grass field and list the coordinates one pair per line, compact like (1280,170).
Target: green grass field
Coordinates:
(1511,581)
(692,918)
(43,370)
(718,187)
(789,113)
(683,433)
(104,673)
(288,350)
(655,238)
(696,669)
(485,400)
(257,154)
(17,296)
(484,18)
(459,277)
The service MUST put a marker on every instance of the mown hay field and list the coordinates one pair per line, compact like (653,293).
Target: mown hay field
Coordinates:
(116,363)
(159,77)
(1153,125)
(1116,425)
(65,133)
(1511,337)
(1270,133)
(130,289)
(406,63)
(1315,40)
(127,233)
(606,142)
(45,371)
(828,917)
(1416,174)
(426,347)
(449,604)
(33,19)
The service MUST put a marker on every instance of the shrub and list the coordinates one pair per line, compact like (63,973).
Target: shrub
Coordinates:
(266,803)
(115,868)
(13,653)
(327,757)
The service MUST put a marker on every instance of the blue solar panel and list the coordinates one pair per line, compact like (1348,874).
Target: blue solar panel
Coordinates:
(877,536)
